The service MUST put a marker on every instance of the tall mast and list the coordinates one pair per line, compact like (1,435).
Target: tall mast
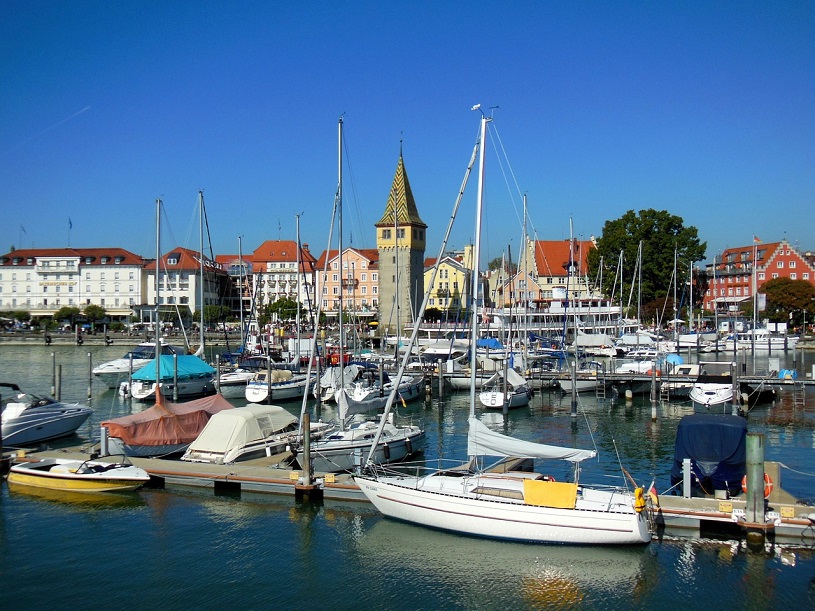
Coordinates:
(297,315)
(339,224)
(476,259)
(157,334)
(201,265)
(240,291)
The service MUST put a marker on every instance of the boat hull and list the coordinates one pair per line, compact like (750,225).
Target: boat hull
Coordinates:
(501,520)
(36,425)
(338,456)
(78,476)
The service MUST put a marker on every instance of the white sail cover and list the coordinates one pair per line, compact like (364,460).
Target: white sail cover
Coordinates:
(481,441)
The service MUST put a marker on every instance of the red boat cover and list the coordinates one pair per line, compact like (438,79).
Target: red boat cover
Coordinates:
(167,422)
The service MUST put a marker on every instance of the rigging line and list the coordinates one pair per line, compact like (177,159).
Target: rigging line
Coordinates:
(494,135)
(357,212)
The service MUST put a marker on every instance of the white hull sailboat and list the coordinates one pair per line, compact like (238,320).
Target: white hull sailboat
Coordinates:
(512,505)
(284,386)
(508,501)
(505,389)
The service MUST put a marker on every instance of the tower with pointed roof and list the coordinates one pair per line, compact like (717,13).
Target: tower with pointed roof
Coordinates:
(400,240)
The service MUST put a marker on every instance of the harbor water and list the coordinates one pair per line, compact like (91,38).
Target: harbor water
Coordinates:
(182,548)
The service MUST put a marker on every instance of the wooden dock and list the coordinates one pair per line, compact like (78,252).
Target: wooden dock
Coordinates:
(787,520)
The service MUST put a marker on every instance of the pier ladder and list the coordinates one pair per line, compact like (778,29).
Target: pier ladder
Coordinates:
(799,392)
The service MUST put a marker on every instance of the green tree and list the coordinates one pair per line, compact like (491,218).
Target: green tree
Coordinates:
(21,315)
(94,313)
(213,314)
(787,300)
(662,234)
(69,313)
(284,308)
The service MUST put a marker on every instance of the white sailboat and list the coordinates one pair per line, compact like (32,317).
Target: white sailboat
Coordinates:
(506,502)
(354,443)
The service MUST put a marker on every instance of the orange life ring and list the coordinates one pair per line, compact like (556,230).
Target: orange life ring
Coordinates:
(768,485)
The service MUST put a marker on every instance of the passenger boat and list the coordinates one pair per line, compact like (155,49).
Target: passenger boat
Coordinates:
(29,418)
(78,475)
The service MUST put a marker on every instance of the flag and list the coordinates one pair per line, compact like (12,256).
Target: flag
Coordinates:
(23,230)
(70,224)
(756,239)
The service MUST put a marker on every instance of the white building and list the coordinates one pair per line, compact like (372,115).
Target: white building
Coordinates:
(43,280)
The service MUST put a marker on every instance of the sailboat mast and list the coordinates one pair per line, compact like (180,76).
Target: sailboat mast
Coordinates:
(339,241)
(240,292)
(297,315)
(156,323)
(201,266)
(476,259)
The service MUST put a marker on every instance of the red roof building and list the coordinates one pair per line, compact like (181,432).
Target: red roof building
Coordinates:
(731,277)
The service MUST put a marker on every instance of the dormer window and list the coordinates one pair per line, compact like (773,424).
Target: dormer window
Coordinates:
(172,260)
(105,260)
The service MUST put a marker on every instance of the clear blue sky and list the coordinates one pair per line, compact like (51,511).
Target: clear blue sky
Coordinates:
(704,109)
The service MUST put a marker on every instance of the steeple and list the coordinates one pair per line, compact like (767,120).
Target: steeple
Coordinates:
(401,200)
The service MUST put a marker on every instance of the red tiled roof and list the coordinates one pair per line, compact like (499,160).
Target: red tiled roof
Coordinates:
(95,254)
(552,255)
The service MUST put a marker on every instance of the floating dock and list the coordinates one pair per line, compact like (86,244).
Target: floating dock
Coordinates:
(788,521)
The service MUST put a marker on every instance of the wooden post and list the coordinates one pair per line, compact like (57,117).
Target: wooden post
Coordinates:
(59,383)
(218,373)
(305,488)
(754,508)
(90,376)
(736,389)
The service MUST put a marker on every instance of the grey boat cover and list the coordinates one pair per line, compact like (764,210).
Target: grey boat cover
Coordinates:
(481,441)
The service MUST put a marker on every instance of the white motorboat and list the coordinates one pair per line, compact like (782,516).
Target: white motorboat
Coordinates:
(232,384)
(588,377)
(78,475)
(505,388)
(283,385)
(348,449)
(514,505)
(712,392)
(112,373)
(248,432)
(29,419)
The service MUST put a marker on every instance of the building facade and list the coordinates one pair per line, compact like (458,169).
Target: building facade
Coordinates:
(736,274)
(274,274)
(352,279)
(44,280)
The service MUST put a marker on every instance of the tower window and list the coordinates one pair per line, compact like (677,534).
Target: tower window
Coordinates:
(386,234)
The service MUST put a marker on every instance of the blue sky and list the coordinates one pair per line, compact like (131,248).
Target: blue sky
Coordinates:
(704,109)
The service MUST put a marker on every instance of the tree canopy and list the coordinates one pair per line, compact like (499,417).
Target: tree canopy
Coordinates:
(787,300)
(662,234)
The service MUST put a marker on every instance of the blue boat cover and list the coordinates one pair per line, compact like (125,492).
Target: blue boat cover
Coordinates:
(189,366)
(493,343)
(716,445)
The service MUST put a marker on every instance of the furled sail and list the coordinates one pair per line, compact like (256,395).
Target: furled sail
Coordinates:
(481,441)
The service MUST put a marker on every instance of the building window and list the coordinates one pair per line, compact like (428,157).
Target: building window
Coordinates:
(386,234)
(780,264)
(793,276)
(792,264)
(87,275)
(775,276)
(805,276)
(400,233)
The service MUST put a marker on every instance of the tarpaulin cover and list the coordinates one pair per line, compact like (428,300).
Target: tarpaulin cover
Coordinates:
(189,365)
(716,445)
(167,422)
